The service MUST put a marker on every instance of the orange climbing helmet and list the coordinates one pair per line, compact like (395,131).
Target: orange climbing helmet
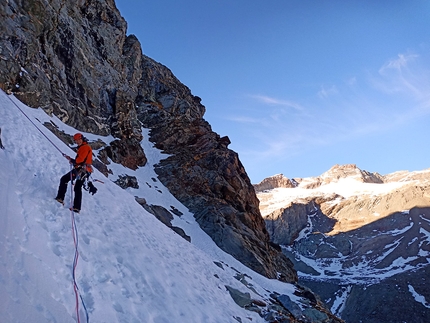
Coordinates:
(77,136)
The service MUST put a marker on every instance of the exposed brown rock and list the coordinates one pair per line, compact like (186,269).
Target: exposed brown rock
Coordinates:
(210,180)
(352,171)
(274,182)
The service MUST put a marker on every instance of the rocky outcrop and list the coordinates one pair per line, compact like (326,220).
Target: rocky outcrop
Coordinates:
(163,215)
(281,308)
(126,181)
(350,171)
(74,60)
(405,176)
(285,224)
(274,182)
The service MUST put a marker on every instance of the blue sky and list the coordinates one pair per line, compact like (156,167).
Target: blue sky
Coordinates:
(300,85)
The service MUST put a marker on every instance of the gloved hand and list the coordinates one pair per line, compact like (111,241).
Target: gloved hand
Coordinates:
(68,158)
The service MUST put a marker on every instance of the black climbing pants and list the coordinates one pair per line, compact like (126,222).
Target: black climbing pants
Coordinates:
(62,189)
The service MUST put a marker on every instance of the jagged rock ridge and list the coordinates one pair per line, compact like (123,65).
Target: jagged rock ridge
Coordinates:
(273,182)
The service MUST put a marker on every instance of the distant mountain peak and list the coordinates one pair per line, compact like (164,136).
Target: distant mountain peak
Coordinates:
(350,171)
(275,181)
(333,175)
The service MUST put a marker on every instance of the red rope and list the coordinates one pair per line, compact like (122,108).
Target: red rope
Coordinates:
(36,126)
(75,264)
(74,229)
(75,260)
(75,242)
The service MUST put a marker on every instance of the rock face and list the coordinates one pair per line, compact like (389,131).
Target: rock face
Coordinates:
(284,225)
(208,177)
(361,242)
(74,60)
(274,182)
(350,171)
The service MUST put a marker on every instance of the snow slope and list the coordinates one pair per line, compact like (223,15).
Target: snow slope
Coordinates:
(131,267)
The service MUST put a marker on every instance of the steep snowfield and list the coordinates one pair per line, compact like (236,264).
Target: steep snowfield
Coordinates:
(131,268)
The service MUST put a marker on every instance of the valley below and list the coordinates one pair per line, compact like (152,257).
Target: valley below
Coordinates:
(358,239)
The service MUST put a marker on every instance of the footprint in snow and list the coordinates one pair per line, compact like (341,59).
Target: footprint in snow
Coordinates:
(85,238)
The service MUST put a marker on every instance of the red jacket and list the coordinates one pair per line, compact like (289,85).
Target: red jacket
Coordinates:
(84,156)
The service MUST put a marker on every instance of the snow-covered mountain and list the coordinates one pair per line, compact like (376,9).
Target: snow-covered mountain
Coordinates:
(130,266)
(359,239)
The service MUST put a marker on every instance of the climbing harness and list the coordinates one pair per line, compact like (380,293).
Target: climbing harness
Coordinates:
(84,176)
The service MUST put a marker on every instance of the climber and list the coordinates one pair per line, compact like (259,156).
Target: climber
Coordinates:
(81,170)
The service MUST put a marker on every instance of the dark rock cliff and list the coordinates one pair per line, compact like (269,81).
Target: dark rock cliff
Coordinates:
(74,60)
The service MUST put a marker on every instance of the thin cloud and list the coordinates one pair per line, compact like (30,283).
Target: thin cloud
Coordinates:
(273,101)
(401,75)
(243,119)
(397,64)
(327,92)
